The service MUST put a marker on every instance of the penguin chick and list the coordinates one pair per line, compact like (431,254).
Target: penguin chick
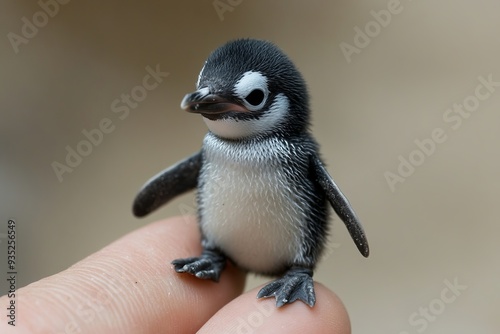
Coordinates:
(263,191)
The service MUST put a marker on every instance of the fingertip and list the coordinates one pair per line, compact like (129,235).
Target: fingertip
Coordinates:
(130,287)
(247,314)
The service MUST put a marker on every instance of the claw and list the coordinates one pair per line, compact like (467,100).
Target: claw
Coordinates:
(208,266)
(296,284)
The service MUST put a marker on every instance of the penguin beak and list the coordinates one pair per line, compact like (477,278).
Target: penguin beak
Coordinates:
(210,105)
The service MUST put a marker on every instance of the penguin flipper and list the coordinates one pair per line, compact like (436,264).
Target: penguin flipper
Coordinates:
(173,181)
(340,205)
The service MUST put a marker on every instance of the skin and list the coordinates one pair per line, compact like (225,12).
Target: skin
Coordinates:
(130,287)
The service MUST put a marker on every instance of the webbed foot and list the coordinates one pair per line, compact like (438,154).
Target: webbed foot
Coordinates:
(297,283)
(208,266)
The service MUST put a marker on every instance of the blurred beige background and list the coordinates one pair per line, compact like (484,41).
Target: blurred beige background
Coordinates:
(437,228)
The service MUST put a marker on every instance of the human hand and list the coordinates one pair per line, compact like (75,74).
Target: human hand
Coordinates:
(130,287)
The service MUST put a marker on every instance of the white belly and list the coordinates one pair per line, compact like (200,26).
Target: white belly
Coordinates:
(250,209)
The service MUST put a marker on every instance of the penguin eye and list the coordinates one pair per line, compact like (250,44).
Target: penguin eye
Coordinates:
(251,89)
(255,97)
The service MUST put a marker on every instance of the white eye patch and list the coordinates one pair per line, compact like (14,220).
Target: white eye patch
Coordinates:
(249,83)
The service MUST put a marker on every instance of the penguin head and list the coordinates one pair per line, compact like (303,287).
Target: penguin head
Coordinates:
(249,88)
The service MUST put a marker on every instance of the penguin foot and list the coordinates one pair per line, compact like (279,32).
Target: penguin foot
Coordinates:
(296,284)
(208,266)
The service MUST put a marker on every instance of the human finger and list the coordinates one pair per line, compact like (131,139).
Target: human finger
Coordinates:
(127,287)
(247,314)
